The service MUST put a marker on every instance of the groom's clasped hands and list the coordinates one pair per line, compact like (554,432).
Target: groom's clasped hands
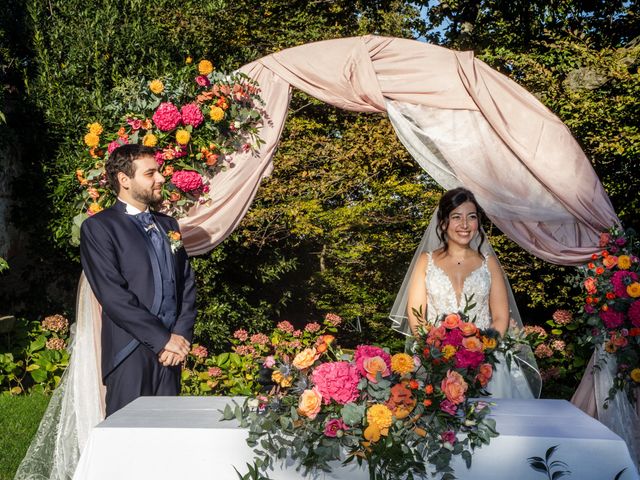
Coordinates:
(175,351)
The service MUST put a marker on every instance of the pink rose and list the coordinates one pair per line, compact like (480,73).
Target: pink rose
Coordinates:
(334,426)
(363,352)
(448,407)
(203,80)
(187,180)
(167,117)
(191,115)
(448,437)
(336,381)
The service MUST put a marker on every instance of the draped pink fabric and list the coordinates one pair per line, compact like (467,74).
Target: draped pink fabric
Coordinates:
(522,162)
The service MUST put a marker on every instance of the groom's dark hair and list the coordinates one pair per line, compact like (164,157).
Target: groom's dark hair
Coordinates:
(121,160)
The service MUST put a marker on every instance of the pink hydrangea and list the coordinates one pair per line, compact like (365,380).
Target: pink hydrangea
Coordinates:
(199,351)
(364,352)
(56,344)
(620,280)
(243,350)
(336,381)
(191,115)
(241,334)
(115,144)
(55,323)
(187,180)
(468,359)
(312,327)
(453,337)
(214,371)
(285,326)
(562,317)
(332,319)
(259,339)
(634,313)
(167,117)
(535,330)
(612,318)
(558,345)
(543,351)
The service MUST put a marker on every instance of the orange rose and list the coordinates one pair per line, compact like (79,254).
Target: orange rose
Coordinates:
(93,193)
(451,321)
(610,261)
(634,332)
(310,403)
(472,344)
(427,402)
(482,380)
(454,387)
(428,389)
(590,285)
(599,271)
(175,196)
(175,236)
(468,328)
(486,369)
(305,358)
(168,171)
(373,365)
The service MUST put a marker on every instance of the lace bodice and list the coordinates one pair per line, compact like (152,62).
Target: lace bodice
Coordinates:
(441,297)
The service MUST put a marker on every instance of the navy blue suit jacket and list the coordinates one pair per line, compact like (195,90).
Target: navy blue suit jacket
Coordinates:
(118,260)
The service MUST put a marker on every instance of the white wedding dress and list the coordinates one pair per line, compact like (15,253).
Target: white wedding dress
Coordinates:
(441,298)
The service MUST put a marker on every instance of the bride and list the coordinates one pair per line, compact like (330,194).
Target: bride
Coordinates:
(455,269)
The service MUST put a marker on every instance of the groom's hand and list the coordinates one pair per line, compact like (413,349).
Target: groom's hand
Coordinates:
(170,359)
(177,344)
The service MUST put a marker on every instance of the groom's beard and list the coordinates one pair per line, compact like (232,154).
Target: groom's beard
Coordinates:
(151,198)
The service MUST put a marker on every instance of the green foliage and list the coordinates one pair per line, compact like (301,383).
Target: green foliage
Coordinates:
(32,359)
(19,419)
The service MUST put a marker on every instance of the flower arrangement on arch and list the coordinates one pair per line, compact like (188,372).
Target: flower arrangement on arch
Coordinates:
(194,120)
(401,415)
(611,312)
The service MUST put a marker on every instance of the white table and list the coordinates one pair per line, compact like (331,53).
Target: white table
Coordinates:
(183,437)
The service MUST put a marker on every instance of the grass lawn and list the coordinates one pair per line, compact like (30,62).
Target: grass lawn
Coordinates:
(19,419)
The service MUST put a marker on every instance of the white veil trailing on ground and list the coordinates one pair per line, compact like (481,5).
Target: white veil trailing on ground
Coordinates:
(399,316)
(76,405)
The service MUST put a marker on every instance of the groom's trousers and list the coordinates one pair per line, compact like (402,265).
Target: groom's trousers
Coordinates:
(140,374)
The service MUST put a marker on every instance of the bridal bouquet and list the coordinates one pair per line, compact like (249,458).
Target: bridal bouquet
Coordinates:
(396,413)
(611,282)
(194,120)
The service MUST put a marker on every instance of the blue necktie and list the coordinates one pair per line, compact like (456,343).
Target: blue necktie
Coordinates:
(146,219)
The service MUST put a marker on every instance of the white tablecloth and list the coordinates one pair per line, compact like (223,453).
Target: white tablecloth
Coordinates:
(183,438)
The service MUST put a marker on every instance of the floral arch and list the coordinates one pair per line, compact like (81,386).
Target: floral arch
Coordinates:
(464,123)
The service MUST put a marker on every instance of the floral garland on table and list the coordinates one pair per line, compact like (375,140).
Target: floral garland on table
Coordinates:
(396,413)
(611,282)
(195,123)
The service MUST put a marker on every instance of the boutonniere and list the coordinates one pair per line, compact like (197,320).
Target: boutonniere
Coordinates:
(175,240)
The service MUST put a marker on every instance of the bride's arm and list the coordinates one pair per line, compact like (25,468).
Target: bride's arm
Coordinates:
(498,299)
(417,296)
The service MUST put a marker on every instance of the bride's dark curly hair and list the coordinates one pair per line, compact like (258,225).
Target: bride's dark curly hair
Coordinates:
(451,200)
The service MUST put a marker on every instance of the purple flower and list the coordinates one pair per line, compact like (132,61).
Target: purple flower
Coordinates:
(448,407)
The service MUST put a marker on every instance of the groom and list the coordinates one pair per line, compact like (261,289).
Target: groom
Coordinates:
(144,284)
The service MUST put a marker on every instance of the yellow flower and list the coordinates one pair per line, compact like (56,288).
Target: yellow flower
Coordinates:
(281,380)
(402,363)
(149,140)
(188,60)
(92,140)
(372,433)
(94,208)
(380,416)
(205,67)
(216,114)
(635,375)
(489,343)
(95,128)
(624,262)
(156,86)
(634,290)
(183,137)
(448,351)
(305,358)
